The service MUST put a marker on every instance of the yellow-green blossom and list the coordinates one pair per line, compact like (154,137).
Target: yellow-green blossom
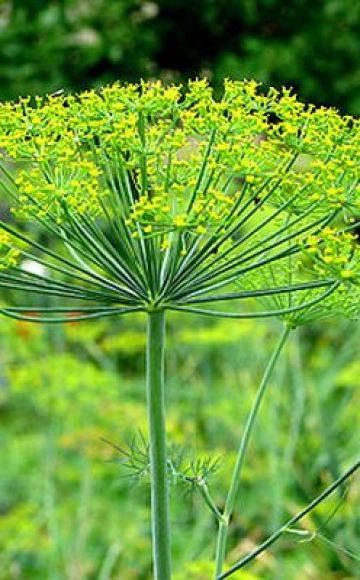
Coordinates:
(9,254)
(172,185)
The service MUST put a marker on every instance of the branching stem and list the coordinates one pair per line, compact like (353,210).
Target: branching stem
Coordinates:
(237,471)
(285,528)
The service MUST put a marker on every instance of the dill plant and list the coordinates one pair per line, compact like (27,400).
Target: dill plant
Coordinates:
(163,198)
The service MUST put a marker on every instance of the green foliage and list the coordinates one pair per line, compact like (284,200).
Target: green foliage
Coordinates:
(73,44)
(62,499)
(68,44)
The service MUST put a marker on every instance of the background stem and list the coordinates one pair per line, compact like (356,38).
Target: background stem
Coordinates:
(160,521)
(299,516)
(235,480)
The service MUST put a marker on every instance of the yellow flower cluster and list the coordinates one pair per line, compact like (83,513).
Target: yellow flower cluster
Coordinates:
(336,254)
(47,190)
(173,158)
(8,253)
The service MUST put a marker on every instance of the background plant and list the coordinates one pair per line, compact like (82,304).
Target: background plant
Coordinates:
(157,198)
(58,469)
(71,44)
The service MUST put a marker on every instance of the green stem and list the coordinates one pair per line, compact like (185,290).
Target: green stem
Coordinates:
(237,471)
(285,528)
(204,490)
(156,417)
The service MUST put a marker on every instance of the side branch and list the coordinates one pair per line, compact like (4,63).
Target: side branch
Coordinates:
(299,516)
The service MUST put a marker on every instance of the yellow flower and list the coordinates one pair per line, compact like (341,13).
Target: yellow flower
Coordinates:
(180,220)
(200,229)
(346,273)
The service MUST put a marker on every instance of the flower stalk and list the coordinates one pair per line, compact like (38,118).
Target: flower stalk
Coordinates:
(158,463)
(244,443)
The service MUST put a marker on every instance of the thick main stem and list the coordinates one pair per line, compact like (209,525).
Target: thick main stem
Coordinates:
(235,480)
(160,521)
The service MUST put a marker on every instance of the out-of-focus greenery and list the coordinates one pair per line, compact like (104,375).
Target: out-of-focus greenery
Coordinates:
(71,44)
(67,512)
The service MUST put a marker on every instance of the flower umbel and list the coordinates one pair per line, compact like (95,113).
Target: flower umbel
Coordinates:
(163,196)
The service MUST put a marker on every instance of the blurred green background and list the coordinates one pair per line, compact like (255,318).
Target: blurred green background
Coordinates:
(312,45)
(67,511)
